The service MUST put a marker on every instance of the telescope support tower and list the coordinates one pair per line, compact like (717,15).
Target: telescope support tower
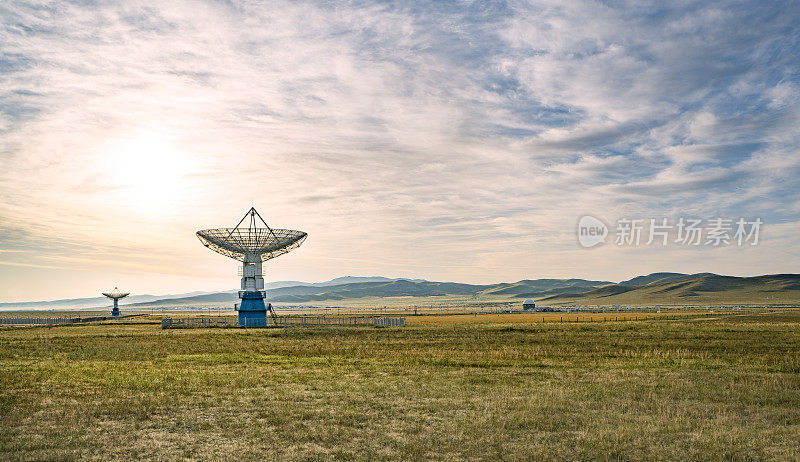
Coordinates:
(252,245)
(115,295)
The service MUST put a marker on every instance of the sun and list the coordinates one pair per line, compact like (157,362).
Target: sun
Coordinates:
(149,172)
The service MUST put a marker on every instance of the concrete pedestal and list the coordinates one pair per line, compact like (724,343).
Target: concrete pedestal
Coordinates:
(252,310)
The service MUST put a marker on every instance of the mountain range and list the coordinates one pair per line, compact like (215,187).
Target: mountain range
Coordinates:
(197,296)
(655,288)
(700,288)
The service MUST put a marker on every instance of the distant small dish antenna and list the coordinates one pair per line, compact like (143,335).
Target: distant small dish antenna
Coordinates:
(252,245)
(116,295)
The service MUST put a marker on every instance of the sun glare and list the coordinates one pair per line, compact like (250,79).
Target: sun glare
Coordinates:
(149,173)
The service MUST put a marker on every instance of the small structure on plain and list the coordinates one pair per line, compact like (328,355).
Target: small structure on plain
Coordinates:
(116,295)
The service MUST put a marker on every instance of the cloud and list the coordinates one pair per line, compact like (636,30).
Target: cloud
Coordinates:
(436,135)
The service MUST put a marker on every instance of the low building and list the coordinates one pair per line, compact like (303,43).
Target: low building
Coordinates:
(528,305)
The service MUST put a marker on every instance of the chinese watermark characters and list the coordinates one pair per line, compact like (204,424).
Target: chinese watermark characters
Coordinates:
(714,232)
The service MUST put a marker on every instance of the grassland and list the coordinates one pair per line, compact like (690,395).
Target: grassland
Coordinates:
(534,317)
(726,387)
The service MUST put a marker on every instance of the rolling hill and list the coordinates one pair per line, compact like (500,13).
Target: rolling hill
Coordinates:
(656,278)
(191,297)
(692,289)
(334,281)
(400,288)
(656,288)
(537,288)
(92,302)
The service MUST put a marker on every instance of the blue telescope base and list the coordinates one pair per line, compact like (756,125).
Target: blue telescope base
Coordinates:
(252,310)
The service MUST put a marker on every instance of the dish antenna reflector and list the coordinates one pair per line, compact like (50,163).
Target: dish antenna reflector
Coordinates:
(116,295)
(252,245)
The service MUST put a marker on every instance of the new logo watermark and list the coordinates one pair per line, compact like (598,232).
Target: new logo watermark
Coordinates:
(591,231)
(714,232)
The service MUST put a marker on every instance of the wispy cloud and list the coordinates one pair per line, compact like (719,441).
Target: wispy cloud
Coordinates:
(453,136)
(32,265)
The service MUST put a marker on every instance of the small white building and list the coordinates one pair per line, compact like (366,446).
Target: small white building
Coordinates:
(528,305)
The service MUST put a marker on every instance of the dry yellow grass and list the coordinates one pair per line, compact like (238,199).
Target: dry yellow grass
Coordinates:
(725,388)
(517,318)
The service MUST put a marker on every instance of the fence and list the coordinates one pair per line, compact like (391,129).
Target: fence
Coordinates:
(389,322)
(42,321)
(51,321)
(38,321)
(190,323)
(281,321)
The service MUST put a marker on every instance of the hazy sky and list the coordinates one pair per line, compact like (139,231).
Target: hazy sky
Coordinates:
(446,140)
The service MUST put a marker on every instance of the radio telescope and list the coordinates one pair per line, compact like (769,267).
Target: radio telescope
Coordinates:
(252,246)
(116,295)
